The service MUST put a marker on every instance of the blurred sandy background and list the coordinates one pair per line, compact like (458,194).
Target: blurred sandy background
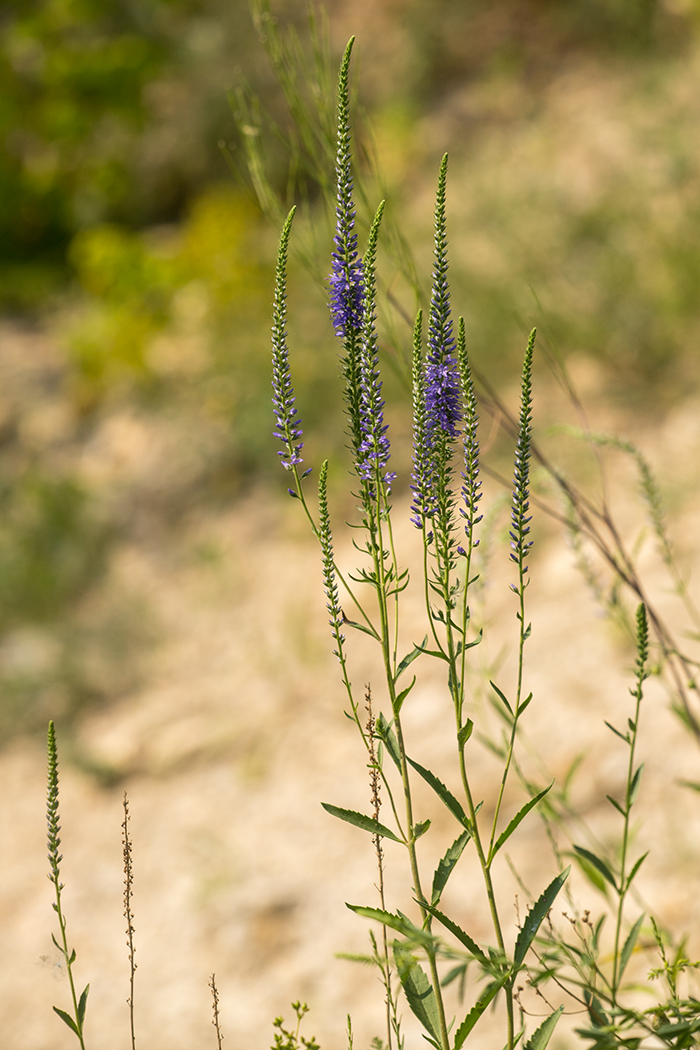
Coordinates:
(161,600)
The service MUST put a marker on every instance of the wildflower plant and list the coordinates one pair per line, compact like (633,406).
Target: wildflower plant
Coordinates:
(413,949)
(445,417)
(76,1020)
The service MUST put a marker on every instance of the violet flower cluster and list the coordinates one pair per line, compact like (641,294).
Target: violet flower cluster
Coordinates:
(437,410)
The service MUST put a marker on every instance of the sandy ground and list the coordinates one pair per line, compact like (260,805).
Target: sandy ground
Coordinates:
(234,737)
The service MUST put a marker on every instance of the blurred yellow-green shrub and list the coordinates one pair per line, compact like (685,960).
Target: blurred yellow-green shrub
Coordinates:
(179,281)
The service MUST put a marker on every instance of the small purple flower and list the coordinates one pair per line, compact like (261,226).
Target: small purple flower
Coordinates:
(442,399)
(346,284)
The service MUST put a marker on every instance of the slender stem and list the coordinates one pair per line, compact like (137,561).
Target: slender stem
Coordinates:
(374,523)
(629,800)
(128,886)
(67,957)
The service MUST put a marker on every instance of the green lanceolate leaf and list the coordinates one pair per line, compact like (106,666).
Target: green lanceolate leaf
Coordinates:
(634,786)
(598,864)
(417,651)
(616,804)
(629,944)
(398,703)
(622,736)
(435,652)
(447,866)
(477,1010)
(82,1004)
(539,1038)
(361,627)
(67,1019)
(418,990)
(502,696)
(388,737)
(517,819)
(465,732)
(400,923)
(360,820)
(525,704)
(535,917)
(459,933)
(444,793)
(635,868)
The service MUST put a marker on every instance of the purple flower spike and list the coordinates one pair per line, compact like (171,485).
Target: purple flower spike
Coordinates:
(346,278)
(288,429)
(424,502)
(442,393)
(373,450)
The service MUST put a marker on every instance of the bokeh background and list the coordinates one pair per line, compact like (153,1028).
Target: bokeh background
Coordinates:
(158,598)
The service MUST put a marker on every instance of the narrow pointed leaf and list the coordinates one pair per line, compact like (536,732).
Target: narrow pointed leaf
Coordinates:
(502,696)
(417,651)
(539,1038)
(634,786)
(447,865)
(635,868)
(435,652)
(535,917)
(459,933)
(629,944)
(360,820)
(616,804)
(402,696)
(361,627)
(418,990)
(477,1010)
(525,704)
(82,1004)
(598,864)
(388,737)
(443,792)
(517,819)
(622,736)
(67,1019)
(401,923)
